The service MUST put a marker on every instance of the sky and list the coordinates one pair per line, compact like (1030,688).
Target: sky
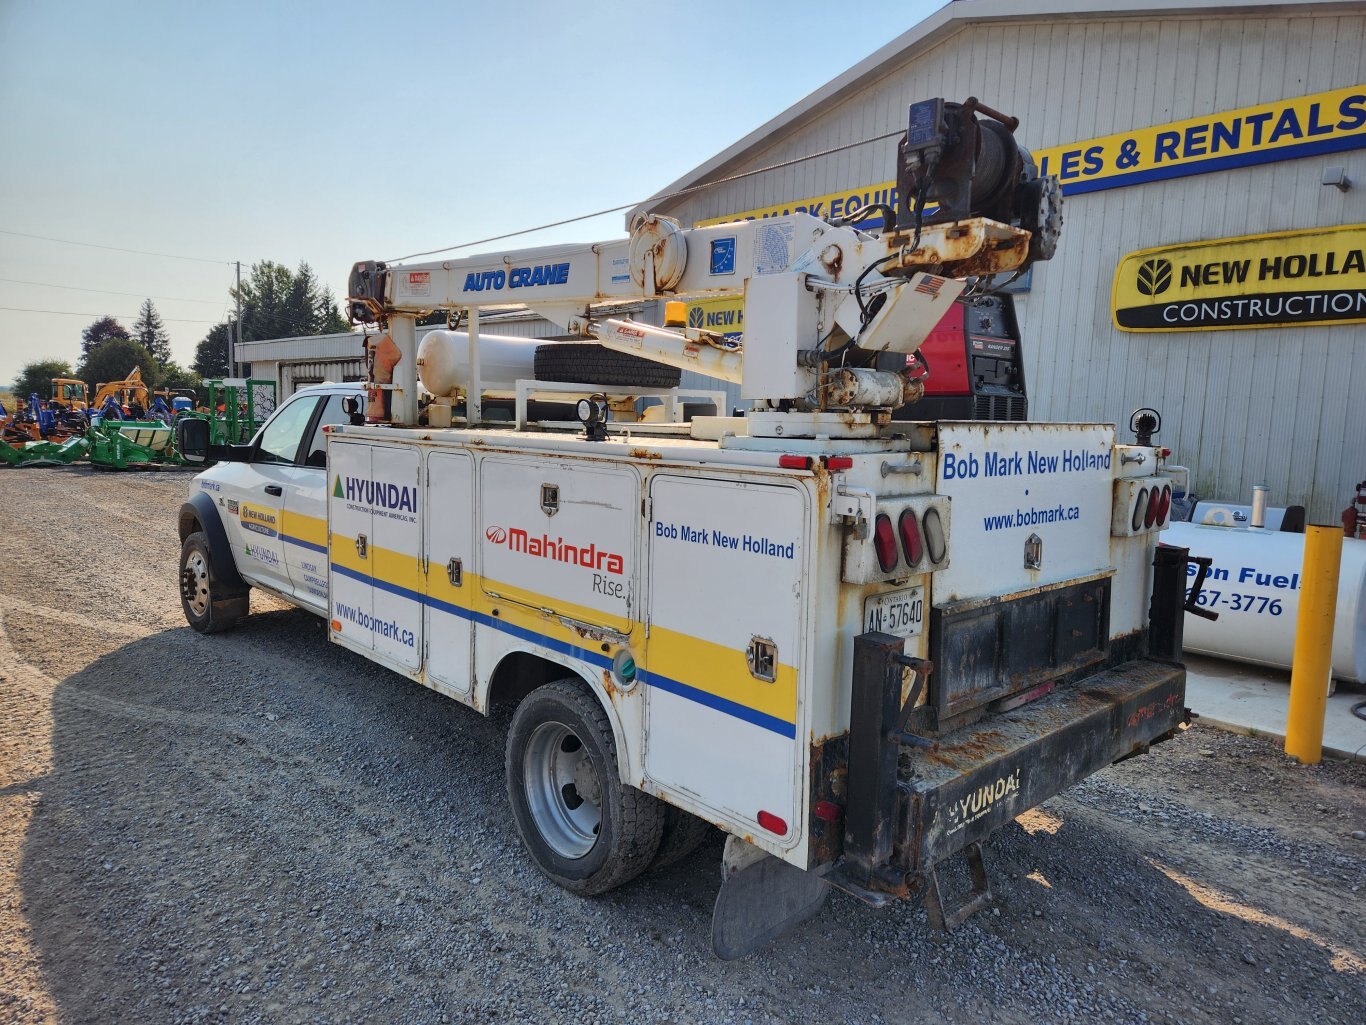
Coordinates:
(336,132)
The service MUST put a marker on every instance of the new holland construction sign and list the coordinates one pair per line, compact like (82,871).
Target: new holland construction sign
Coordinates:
(1314,276)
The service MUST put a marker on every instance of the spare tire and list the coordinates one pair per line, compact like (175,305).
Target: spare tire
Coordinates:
(590,363)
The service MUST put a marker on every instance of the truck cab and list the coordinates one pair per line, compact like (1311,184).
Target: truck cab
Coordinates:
(265,503)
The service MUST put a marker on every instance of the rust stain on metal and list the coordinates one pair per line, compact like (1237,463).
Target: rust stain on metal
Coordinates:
(644,453)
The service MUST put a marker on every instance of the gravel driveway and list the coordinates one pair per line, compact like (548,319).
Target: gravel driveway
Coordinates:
(261,827)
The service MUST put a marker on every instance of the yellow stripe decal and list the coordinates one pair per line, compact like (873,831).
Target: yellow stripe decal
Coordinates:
(701,671)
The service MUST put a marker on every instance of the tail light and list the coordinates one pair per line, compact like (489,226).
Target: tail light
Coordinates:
(1140,509)
(909,536)
(1141,504)
(936,539)
(1164,505)
(884,543)
(911,544)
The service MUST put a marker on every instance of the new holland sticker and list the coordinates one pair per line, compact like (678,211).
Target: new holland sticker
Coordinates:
(1312,276)
(258,520)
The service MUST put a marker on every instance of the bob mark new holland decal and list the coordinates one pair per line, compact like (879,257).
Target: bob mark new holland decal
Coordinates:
(1311,276)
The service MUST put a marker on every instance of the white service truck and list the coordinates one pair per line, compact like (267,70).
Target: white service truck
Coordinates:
(856,645)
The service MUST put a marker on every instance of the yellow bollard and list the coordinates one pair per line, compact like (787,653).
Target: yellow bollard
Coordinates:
(1311,670)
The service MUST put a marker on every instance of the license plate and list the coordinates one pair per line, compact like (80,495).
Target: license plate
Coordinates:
(901,613)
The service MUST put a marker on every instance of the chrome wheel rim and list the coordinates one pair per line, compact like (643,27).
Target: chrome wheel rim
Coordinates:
(563,790)
(194,583)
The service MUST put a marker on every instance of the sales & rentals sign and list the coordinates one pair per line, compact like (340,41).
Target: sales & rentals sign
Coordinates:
(1314,276)
(1327,122)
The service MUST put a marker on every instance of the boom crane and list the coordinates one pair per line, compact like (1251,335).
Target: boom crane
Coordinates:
(831,312)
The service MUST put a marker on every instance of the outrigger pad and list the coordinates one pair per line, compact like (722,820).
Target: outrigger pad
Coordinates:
(761,898)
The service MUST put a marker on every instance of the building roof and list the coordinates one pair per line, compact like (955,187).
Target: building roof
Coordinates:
(953,17)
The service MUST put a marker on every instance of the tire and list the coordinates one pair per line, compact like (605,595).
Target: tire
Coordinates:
(209,606)
(590,363)
(560,755)
(683,834)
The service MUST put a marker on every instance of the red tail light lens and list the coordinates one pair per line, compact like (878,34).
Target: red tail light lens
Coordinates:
(1164,505)
(771,822)
(1154,500)
(884,543)
(911,544)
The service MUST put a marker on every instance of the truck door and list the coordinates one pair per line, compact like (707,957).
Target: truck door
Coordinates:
(255,494)
(349,559)
(304,528)
(447,625)
(727,570)
(375,550)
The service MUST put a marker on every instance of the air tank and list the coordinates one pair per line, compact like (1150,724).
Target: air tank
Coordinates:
(1254,584)
(443,359)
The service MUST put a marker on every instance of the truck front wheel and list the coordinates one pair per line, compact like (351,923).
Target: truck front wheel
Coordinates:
(584,829)
(209,606)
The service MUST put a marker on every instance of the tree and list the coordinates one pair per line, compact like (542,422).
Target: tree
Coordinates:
(151,332)
(100,332)
(280,303)
(114,360)
(211,354)
(174,376)
(37,378)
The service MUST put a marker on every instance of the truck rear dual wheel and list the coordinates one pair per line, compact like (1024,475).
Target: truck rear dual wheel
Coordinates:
(584,828)
(209,606)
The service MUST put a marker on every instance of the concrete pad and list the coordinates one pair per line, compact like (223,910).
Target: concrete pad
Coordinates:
(1253,700)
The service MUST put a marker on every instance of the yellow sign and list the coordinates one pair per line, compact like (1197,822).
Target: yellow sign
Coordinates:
(1314,276)
(725,315)
(1328,122)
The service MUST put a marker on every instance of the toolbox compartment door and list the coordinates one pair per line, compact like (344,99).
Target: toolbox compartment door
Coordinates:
(727,582)
(448,626)
(559,537)
(350,576)
(374,551)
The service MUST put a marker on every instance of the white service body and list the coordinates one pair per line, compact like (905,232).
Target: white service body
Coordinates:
(448,553)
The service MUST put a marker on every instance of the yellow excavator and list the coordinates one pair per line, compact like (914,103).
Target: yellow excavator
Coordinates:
(125,394)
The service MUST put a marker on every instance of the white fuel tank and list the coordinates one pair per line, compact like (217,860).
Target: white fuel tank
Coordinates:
(443,359)
(1254,585)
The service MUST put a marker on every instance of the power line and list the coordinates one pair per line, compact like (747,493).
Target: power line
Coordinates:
(658,198)
(116,249)
(105,291)
(73,313)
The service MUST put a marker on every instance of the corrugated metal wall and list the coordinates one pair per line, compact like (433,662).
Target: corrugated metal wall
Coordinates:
(1283,406)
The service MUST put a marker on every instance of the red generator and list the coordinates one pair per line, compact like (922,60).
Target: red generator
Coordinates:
(975,364)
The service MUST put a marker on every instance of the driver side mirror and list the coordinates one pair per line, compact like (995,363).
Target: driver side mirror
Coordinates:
(192,440)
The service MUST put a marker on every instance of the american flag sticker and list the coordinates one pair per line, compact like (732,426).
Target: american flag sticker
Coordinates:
(929,285)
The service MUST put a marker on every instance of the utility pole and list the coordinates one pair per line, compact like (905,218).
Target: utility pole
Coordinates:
(232,365)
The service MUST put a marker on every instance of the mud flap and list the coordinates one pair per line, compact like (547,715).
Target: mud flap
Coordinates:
(761,898)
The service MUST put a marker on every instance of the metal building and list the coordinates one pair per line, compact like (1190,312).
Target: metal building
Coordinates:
(1168,124)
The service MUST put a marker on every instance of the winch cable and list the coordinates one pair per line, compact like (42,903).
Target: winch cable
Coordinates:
(690,190)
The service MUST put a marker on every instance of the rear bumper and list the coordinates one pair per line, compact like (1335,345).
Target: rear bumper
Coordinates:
(914,802)
(982,776)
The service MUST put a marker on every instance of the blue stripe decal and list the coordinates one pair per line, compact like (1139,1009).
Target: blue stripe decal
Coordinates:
(321,549)
(749,715)
(597,658)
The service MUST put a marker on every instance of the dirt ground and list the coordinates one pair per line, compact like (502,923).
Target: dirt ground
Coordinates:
(260,827)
